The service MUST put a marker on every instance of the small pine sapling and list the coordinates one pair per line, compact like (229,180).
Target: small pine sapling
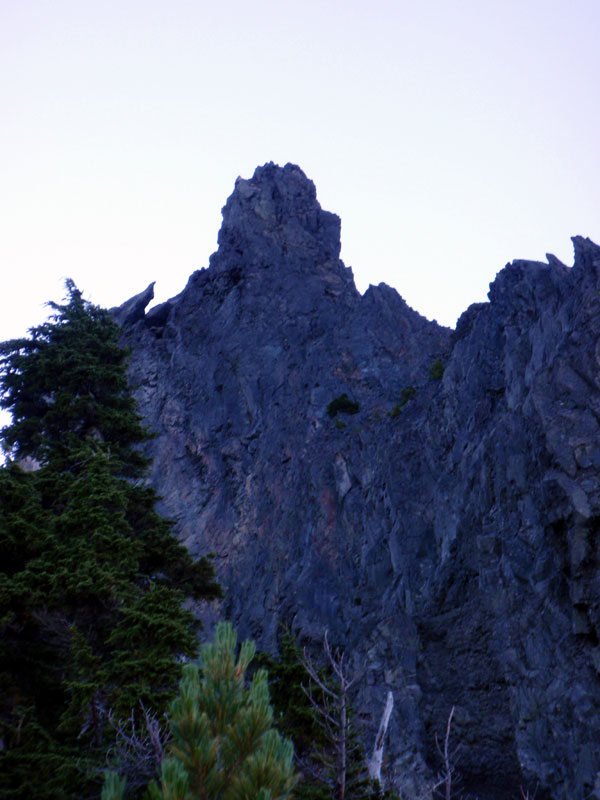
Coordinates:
(223,744)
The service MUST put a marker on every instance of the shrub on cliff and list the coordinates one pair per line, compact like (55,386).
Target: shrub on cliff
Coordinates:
(436,370)
(343,405)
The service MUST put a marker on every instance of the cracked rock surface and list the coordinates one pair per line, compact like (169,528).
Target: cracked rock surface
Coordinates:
(448,538)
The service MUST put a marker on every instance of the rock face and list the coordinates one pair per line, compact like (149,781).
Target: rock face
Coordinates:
(447,537)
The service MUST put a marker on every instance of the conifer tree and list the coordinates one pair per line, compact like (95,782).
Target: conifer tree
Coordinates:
(92,580)
(343,757)
(295,717)
(67,384)
(308,702)
(224,746)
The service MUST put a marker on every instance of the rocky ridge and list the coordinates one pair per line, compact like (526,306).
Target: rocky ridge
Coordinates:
(446,534)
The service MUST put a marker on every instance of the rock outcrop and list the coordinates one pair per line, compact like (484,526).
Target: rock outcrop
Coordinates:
(134,309)
(446,534)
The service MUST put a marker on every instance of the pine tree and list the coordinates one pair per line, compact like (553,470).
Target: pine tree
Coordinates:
(224,746)
(92,580)
(295,717)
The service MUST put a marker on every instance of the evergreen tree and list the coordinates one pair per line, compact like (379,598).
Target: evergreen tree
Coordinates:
(224,746)
(343,755)
(295,717)
(92,580)
(67,384)
(315,737)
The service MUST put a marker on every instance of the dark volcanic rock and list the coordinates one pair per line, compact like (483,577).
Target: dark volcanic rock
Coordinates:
(447,538)
(132,310)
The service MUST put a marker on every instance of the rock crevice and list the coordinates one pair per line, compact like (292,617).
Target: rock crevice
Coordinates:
(446,534)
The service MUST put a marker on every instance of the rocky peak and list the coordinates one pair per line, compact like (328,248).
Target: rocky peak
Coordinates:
(273,214)
(444,525)
(587,254)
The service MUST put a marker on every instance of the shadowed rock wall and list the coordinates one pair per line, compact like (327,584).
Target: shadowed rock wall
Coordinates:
(448,539)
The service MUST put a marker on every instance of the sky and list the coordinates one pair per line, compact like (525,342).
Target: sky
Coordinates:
(451,136)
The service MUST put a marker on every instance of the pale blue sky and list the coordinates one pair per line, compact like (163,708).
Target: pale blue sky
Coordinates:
(451,137)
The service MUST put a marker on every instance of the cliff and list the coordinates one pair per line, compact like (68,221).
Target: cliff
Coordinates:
(447,537)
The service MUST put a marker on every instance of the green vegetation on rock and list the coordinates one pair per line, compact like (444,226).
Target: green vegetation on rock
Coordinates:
(342,405)
(405,395)
(436,370)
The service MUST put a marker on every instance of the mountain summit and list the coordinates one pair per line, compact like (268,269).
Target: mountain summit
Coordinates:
(276,213)
(430,497)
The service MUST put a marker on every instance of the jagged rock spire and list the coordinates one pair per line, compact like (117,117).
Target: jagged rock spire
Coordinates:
(273,214)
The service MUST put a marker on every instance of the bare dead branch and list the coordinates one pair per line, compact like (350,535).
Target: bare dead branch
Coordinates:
(325,720)
(448,773)
(525,795)
(332,709)
(314,676)
(336,660)
(139,749)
